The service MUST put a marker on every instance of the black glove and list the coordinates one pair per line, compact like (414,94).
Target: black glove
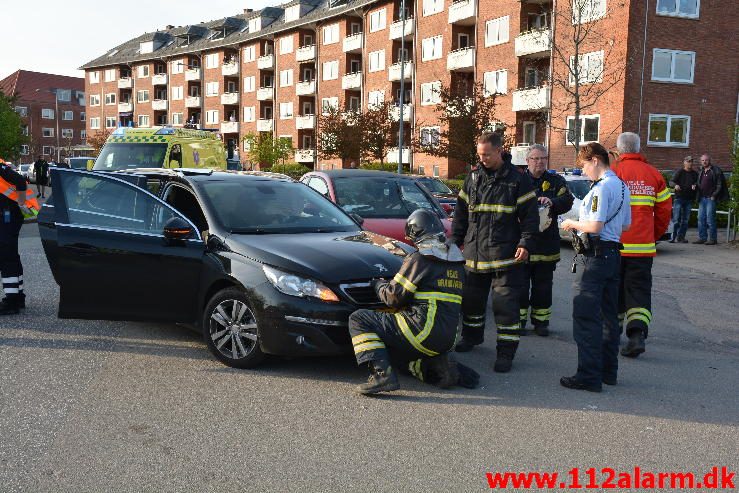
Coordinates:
(468,378)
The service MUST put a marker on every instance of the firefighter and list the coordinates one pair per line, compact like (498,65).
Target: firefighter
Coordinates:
(651,209)
(426,294)
(496,218)
(554,199)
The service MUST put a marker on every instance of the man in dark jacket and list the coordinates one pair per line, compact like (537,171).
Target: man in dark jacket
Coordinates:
(685,183)
(41,171)
(710,191)
(496,218)
(554,199)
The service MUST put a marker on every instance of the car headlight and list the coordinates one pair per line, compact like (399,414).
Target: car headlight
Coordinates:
(298,286)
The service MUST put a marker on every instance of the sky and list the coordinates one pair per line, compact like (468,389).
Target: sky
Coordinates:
(58,37)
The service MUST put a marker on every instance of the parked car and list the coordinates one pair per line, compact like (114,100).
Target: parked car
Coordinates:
(260,263)
(85,163)
(24,170)
(446,197)
(382,199)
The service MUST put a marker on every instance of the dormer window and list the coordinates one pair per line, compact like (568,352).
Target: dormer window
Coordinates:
(292,13)
(255,24)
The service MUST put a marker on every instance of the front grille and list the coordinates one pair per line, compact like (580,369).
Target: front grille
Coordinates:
(360,293)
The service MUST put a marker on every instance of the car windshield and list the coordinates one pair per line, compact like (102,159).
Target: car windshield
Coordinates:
(381,197)
(435,186)
(126,156)
(24,167)
(245,206)
(579,188)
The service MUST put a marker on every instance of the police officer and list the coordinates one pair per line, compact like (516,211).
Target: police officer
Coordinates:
(554,199)
(496,218)
(10,227)
(427,293)
(604,214)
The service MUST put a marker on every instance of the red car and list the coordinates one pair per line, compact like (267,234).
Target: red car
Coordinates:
(383,200)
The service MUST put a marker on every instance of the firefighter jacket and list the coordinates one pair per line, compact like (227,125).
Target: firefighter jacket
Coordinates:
(496,213)
(651,205)
(554,187)
(427,292)
(11,184)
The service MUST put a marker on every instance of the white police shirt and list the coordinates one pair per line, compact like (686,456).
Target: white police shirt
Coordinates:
(602,202)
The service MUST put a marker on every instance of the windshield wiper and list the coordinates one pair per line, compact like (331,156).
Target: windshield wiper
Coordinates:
(251,231)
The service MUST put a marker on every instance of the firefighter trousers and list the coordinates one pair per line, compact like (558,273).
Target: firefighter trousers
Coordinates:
(507,285)
(635,294)
(537,293)
(11,268)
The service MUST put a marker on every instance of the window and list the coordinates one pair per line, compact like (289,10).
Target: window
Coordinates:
(436,170)
(211,88)
(47,150)
(378,20)
(67,115)
(64,95)
(250,83)
(94,77)
(249,113)
(308,40)
(142,96)
(496,31)
(430,136)
(355,28)
(67,133)
(590,68)
(47,132)
(94,100)
(529,132)
(375,98)
(178,92)
(47,114)
(110,122)
(588,127)
(24,149)
(432,7)
(82,116)
(327,104)
(83,135)
(463,41)
(331,34)
(211,116)
(110,98)
(286,45)
(24,130)
(95,123)
(377,61)
(143,71)
(355,104)
(109,75)
(286,77)
(292,13)
(669,130)
(587,10)
(231,87)
(355,66)
(255,24)
(431,48)
(431,93)
(178,66)
(679,8)
(286,111)
(177,118)
(331,70)
(211,60)
(21,110)
(673,66)
(250,53)
(268,81)
(496,82)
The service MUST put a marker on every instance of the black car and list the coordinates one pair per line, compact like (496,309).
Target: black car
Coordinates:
(261,263)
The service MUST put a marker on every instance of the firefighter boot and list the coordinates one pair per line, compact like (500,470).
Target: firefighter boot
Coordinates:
(20,303)
(382,379)
(442,372)
(635,346)
(541,330)
(506,351)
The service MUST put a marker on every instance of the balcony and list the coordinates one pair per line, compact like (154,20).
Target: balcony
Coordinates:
(537,42)
(265,93)
(305,53)
(462,60)
(353,43)
(462,12)
(229,69)
(125,107)
(192,74)
(265,125)
(397,31)
(393,153)
(159,80)
(229,127)
(393,73)
(305,155)
(305,122)
(307,88)
(159,105)
(230,98)
(192,102)
(266,62)
(352,81)
(407,113)
(126,83)
(534,99)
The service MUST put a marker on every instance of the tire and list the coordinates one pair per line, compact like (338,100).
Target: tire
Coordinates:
(230,329)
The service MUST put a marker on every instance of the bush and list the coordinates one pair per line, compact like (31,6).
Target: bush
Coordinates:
(391,167)
(293,170)
(455,185)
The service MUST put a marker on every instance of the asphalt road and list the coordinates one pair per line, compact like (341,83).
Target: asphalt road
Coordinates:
(112,406)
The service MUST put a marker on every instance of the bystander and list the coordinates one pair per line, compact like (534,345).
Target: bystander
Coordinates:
(685,183)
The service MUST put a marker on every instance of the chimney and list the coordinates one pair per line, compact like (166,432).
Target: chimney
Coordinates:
(169,26)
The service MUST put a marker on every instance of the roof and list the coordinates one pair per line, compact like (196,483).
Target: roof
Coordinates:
(364,173)
(128,51)
(205,174)
(25,83)
(158,134)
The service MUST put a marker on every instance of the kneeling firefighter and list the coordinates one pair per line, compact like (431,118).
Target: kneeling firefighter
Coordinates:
(427,295)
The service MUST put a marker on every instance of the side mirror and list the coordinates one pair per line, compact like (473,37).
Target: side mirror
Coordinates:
(357,218)
(177,229)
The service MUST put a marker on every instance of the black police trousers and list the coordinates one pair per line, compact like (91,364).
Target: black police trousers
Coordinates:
(11,268)
(537,293)
(595,317)
(635,294)
(507,285)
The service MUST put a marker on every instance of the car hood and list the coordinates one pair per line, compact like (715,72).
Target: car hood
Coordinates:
(328,257)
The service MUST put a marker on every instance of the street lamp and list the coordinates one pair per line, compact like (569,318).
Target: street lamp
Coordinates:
(55,92)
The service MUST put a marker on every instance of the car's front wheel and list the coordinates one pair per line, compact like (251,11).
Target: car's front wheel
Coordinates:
(230,329)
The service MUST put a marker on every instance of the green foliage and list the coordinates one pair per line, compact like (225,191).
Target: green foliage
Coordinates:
(455,185)
(293,170)
(11,130)
(378,131)
(392,167)
(339,134)
(266,151)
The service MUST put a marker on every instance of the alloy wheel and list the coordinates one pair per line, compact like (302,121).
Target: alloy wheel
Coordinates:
(233,329)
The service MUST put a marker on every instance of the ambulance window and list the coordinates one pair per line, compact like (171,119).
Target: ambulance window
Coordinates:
(175,156)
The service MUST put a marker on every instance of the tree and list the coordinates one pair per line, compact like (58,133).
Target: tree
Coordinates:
(98,139)
(339,135)
(378,130)
(11,129)
(264,150)
(733,182)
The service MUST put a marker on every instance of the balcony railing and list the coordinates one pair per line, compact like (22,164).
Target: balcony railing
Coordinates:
(159,105)
(305,122)
(265,125)
(192,74)
(192,102)
(462,60)
(537,42)
(305,53)
(125,83)
(230,68)
(229,127)
(266,62)
(159,80)
(352,81)
(407,113)
(305,155)
(230,98)
(353,43)
(393,73)
(397,31)
(265,93)
(463,12)
(125,107)
(534,99)
(306,88)
(393,155)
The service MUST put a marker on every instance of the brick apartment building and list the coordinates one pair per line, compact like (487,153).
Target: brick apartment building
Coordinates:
(661,68)
(52,108)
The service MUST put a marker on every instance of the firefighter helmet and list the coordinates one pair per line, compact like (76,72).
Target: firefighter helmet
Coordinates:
(423,224)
